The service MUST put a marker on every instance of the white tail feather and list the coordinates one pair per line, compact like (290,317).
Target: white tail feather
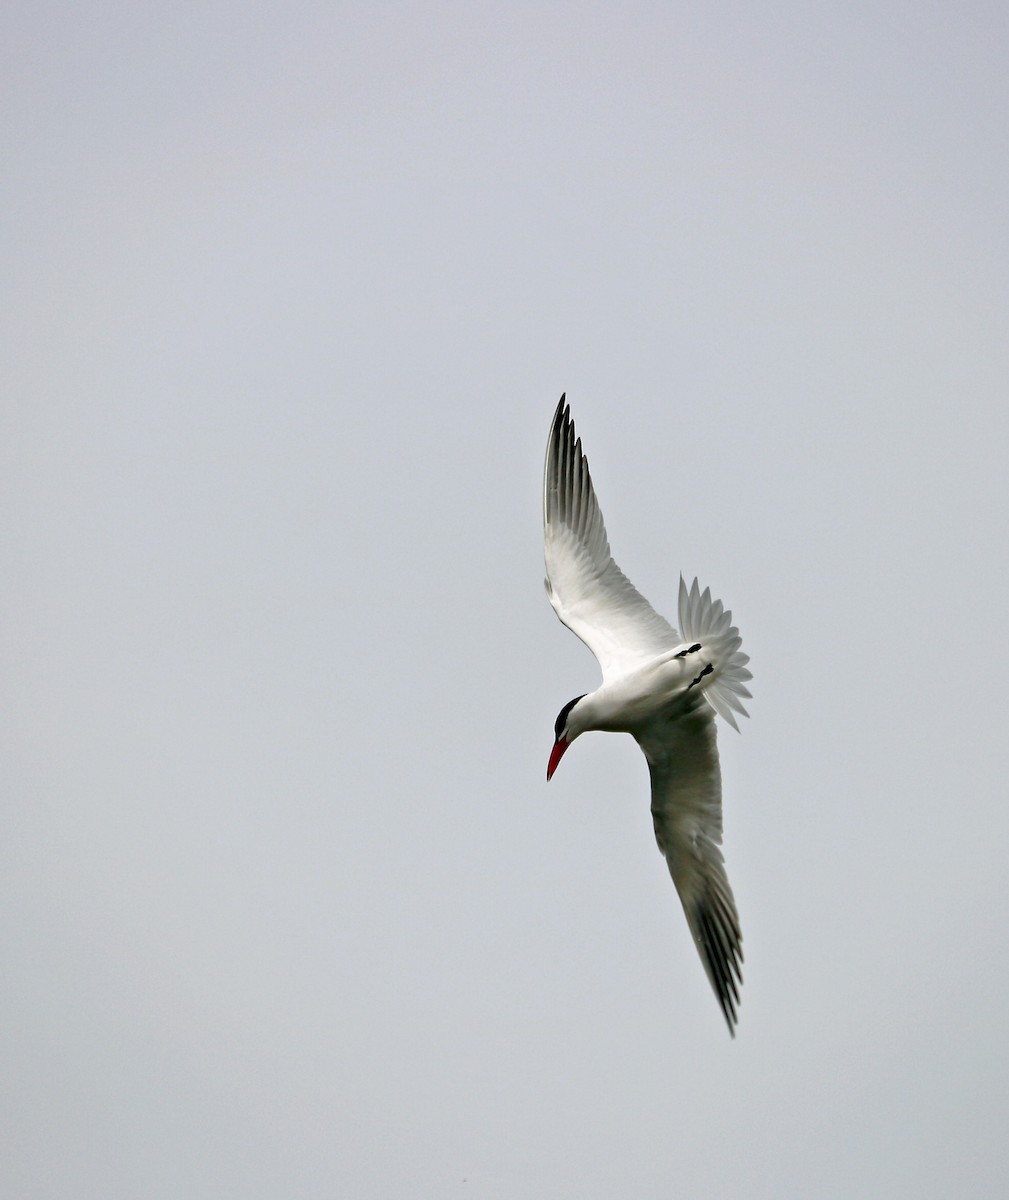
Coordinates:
(704,620)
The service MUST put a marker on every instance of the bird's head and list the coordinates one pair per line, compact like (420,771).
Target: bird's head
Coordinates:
(565,732)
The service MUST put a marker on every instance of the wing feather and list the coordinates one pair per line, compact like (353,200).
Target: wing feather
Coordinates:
(588,591)
(682,756)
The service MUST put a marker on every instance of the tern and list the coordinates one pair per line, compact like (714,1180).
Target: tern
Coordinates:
(662,687)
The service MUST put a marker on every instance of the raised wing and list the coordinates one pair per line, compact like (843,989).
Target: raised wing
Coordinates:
(687,812)
(588,591)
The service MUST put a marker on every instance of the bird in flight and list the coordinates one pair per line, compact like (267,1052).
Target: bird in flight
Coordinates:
(662,687)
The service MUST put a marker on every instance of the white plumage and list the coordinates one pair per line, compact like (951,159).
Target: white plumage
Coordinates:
(661,687)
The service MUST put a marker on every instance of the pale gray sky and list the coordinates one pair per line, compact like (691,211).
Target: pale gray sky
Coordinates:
(290,293)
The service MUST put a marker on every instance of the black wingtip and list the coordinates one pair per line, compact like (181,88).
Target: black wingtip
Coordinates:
(561,420)
(720,945)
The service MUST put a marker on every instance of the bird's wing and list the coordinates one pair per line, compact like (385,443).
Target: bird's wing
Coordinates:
(687,812)
(587,589)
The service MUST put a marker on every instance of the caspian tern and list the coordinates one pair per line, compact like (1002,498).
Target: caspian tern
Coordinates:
(662,687)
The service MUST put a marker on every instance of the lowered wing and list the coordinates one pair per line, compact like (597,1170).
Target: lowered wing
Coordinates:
(687,812)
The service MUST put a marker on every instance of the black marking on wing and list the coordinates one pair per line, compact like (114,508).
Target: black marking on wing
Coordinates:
(720,944)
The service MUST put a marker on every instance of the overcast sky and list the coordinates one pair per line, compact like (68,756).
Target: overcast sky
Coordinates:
(290,293)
